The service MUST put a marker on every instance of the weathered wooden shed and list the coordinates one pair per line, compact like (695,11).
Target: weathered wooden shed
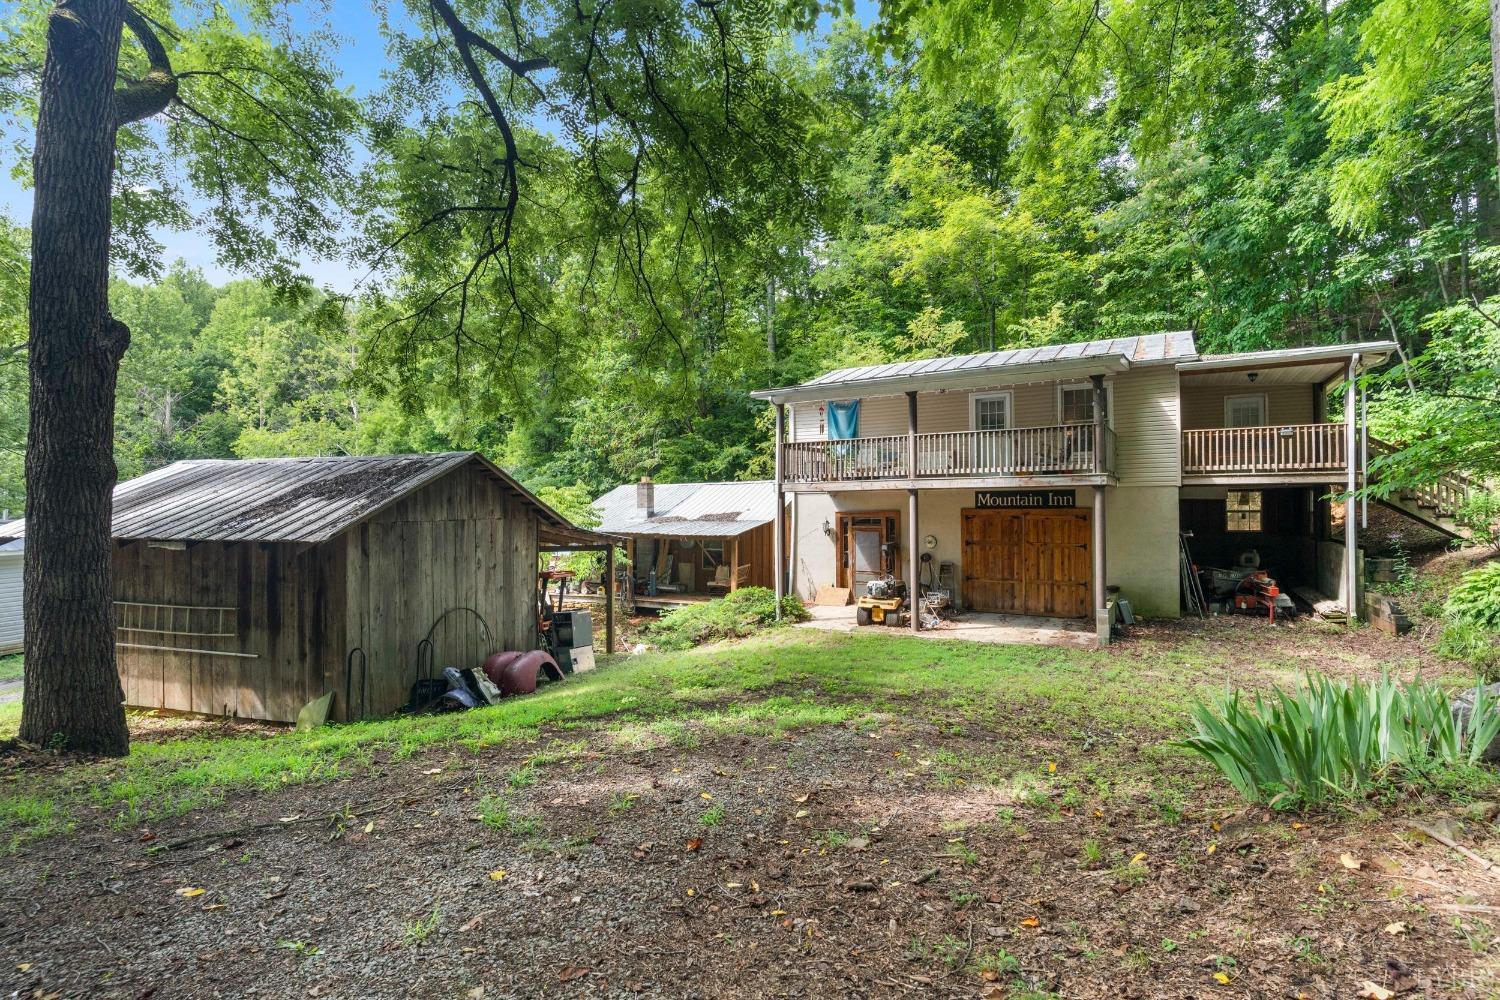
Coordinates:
(249,588)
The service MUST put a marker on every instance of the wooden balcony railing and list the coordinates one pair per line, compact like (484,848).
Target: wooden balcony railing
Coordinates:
(1066,449)
(1251,450)
(840,461)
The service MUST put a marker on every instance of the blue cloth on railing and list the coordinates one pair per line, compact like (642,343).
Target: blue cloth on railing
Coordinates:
(843,420)
(843,425)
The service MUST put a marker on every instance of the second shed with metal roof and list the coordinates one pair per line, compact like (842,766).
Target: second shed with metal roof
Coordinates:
(690,542)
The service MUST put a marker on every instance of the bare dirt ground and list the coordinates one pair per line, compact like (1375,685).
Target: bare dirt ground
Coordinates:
(871,858)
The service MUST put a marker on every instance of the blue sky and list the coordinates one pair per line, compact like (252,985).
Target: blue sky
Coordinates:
(359,56)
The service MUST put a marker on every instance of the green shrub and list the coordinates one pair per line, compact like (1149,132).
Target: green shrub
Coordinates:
(1481,513)
(742,613)
(1471,619)
(1334,739)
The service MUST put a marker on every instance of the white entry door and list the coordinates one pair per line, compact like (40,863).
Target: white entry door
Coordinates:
(990,414)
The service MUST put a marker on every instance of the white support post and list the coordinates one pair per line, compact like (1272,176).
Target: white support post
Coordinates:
(778,564)
(1351,522)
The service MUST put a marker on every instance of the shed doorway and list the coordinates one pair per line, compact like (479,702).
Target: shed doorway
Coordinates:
(1027,562)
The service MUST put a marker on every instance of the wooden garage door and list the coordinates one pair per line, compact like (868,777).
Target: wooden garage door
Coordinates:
(1027,562)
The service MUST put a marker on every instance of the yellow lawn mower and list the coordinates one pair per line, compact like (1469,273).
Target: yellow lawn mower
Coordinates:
(882,603)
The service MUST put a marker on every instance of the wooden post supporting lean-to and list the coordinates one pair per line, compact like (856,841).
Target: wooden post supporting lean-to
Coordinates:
(1100,399)
(1351,522)
(1101,604)
(913,556)
(778,564)
(609,600)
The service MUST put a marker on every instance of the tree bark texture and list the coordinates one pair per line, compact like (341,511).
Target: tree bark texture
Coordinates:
(73,697)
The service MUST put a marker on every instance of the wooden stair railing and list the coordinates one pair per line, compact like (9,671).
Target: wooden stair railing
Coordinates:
(1437,503)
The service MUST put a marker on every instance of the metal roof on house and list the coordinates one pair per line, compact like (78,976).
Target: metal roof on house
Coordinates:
(306,500)
(1118,352)
(681,510)
(1371,353)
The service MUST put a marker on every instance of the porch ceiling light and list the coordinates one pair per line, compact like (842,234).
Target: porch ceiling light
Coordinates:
(1253,376)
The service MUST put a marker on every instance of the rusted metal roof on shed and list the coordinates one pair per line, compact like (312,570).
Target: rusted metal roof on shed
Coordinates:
(279,499)
(681,510)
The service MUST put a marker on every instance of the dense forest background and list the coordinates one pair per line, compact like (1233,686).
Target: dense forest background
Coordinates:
(1267,175)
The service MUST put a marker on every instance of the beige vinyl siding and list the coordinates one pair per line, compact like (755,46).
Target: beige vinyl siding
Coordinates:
(1203,405)
(937,412)
(1148,439)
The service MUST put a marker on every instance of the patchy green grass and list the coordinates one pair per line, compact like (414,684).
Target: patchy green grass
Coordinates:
(10,719)
(1060,699)
(11,667)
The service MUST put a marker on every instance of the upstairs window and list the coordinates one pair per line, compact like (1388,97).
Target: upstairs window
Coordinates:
(1075,403)
(989,411)
(1242,510)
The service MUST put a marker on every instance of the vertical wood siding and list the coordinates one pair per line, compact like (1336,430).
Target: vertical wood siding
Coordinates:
(461,542)
(285,616)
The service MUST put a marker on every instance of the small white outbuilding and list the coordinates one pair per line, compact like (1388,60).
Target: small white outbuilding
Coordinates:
(11,556)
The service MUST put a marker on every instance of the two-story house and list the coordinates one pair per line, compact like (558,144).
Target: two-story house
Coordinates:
(1038,481)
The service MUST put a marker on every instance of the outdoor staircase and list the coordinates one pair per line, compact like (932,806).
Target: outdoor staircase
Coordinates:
(1432,504)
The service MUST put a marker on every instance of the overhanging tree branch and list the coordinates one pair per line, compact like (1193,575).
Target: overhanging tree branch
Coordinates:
(153,92)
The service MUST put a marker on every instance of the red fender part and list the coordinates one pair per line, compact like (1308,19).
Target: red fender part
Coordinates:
(523,673)
(495,664)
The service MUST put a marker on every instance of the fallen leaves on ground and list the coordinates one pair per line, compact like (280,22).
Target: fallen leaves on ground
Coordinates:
(1350,862)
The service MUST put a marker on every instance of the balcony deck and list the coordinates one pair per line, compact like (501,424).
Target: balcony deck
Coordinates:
(1063,455)
(1313,453)
(1059,454)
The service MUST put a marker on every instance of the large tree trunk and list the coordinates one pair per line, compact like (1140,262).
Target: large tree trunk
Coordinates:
(72,695)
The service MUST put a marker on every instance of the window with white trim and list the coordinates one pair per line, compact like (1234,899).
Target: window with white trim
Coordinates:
(1075,403)
(989,411)
(1242,510)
